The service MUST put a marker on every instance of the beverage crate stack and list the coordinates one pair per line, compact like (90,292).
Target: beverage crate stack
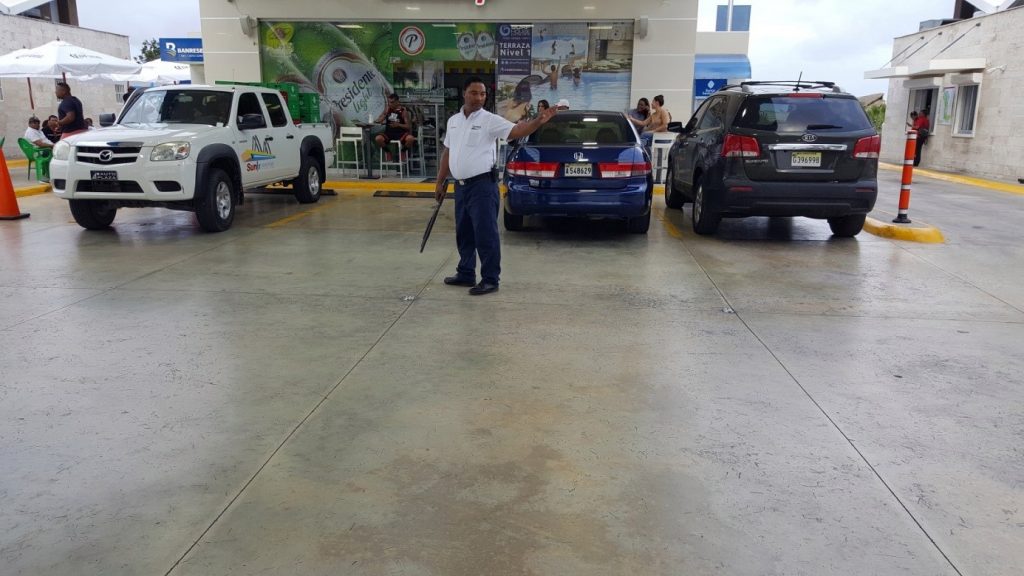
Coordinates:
(309,108)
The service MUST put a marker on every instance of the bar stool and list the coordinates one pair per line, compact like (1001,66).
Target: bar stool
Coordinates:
(400,160)
(349,155)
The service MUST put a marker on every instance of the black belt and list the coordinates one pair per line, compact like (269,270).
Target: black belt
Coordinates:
(488,175)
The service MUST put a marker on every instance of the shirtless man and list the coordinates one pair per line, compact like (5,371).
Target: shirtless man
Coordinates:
(553,77)
(657,121)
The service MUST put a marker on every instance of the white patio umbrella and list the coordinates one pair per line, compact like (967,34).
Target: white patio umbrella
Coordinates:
(157,71)
(59,59)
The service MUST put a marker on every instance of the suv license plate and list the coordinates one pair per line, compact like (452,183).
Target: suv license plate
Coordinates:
(584,170)
(105,175)
(805,160)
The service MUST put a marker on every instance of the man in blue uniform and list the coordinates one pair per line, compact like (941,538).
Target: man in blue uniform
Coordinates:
(469,158)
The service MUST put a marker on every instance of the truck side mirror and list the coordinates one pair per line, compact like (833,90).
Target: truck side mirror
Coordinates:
(251,122)
(106,120)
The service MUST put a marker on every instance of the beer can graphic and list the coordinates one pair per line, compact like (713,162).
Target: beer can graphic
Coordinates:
(467,45)
(355,88)
(485,45)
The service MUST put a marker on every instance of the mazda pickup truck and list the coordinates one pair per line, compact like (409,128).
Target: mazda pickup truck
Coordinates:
(190,147)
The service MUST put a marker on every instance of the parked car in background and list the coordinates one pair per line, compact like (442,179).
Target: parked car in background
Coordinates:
(776,149)
(584,164)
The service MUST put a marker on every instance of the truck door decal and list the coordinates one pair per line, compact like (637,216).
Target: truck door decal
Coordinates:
(259,155)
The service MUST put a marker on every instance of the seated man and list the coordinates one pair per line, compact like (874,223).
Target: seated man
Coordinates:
(34,135)
(398,125)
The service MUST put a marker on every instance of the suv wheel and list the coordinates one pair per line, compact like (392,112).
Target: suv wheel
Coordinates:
(513,222)
(93,214)
(215,207)
(705,217)
(307,184)
(847,226)
(673,199)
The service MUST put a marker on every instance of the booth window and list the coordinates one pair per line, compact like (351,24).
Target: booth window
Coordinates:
(119,90)
(966,109)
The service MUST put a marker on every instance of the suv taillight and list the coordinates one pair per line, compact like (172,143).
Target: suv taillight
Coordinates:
(737,146)
(868,147)
(532,169)
(623,169)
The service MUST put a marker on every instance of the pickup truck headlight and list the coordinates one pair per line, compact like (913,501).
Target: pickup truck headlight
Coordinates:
(170,151)
(61,150)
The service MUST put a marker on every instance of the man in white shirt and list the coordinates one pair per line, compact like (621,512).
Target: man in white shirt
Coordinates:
(34,135)
(469,158)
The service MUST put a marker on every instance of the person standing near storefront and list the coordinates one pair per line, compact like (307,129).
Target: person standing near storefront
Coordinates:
(923,127)
(70,116)
(469,158)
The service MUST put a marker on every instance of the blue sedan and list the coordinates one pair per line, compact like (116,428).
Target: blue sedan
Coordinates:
(583,164)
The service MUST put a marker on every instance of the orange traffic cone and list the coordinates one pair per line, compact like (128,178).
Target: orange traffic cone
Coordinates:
(8,201)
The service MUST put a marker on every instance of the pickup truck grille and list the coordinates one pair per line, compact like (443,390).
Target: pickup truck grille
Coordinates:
(107,155)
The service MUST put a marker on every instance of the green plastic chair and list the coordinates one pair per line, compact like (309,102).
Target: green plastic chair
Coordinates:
(41,156)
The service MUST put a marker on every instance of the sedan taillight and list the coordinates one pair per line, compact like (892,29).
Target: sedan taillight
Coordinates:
(532,169)
(868,147)
(623,169)
(737,146)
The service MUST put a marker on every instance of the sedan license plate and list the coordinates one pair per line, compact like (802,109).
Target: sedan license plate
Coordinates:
(104,175)
(584,170)
(805,160)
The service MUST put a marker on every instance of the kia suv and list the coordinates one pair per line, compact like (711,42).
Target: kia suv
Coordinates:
(776,149)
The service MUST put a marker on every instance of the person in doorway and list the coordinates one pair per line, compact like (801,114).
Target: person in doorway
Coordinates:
(397,125)
(656,122)
(36,136)
(553,77)
(469,158)
(923,127)
(51,129)
(642,110)
(70,116)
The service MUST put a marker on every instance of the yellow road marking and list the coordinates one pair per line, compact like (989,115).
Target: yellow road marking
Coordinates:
(960,179)
(298,216)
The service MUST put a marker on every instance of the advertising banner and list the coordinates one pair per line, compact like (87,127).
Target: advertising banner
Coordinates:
(349,65)
(181,49)
(588,64)
(444,42)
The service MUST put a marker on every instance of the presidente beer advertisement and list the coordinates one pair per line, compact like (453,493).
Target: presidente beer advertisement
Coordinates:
(352,65)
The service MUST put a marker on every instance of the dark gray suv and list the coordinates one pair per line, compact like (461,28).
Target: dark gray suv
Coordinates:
(776,149)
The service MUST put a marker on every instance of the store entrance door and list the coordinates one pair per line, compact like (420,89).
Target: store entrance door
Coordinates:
(456,74)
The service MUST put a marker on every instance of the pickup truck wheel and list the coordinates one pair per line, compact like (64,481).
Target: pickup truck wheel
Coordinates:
(307,185)
(673,199)
(93,214)
(215,207)
(705,218)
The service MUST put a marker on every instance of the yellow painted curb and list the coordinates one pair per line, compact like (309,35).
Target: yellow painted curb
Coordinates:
(960,179)
(31,190)
(17,163)
(927,234)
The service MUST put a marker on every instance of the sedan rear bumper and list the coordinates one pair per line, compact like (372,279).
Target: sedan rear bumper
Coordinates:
(628,202)
(742,197)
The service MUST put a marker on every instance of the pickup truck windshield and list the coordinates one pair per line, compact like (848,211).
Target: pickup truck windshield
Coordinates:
(179,107)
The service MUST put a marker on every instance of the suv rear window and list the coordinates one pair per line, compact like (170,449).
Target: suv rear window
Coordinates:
(801,114)
(568,128)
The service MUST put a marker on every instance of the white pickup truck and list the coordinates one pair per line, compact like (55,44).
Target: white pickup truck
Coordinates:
(190,147)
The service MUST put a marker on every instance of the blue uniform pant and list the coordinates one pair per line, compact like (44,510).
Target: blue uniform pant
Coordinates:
(476,229)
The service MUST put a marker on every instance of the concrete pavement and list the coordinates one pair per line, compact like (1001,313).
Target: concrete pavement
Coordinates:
(302,394)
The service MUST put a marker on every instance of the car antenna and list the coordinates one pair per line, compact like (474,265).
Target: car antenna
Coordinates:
(798,79)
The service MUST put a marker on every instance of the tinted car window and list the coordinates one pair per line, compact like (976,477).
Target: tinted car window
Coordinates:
(274,108)
(584,128)
(800,114)
(715,115)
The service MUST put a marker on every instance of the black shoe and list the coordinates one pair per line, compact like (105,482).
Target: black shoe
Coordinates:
(458,281)
(483,288)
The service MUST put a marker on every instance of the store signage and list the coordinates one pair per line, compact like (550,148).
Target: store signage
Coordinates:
(181,49)
(514,49)
(704,87)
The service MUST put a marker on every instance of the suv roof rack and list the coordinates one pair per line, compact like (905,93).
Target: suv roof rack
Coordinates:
(797,85)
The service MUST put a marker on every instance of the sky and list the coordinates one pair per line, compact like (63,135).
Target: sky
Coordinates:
(835,40)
